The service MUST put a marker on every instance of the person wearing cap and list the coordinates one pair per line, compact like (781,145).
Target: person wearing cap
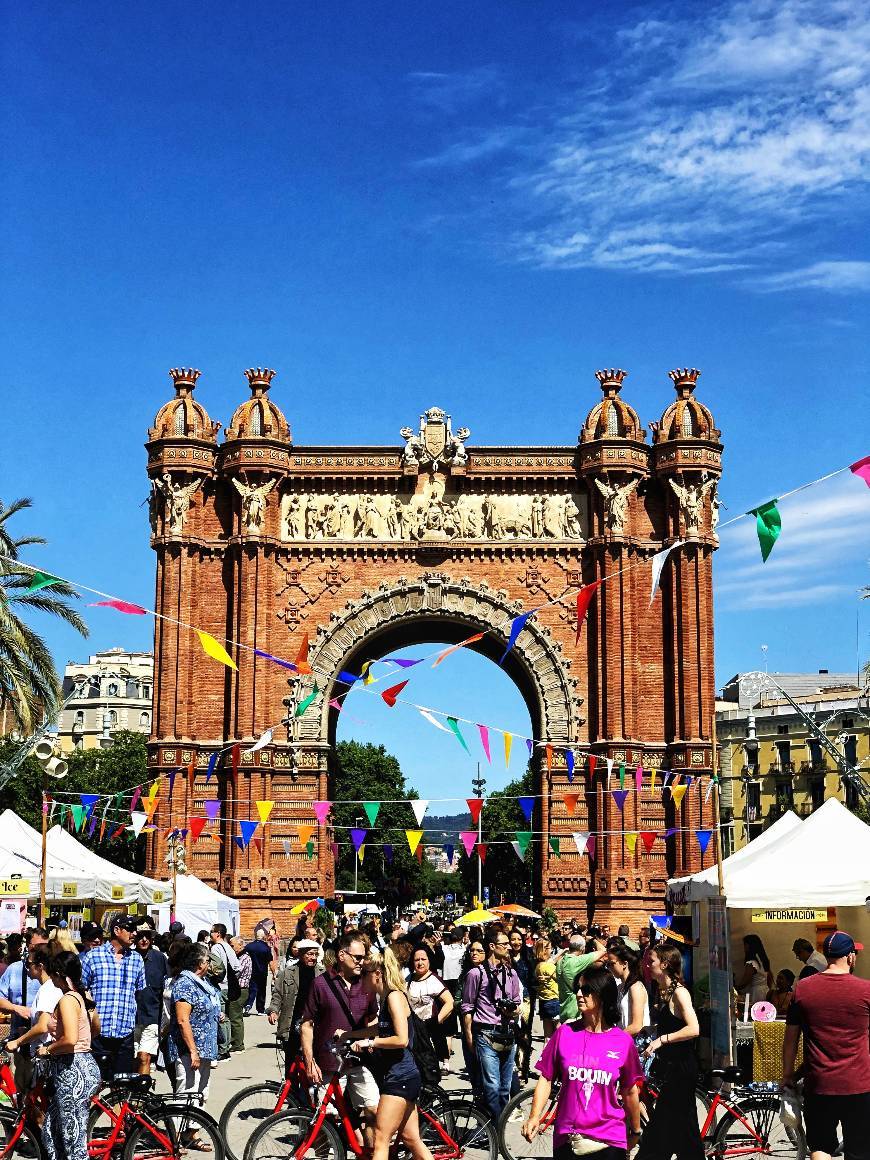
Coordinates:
(290,994)
(114,973)
(146,1039)
(90,936)
(831,1009)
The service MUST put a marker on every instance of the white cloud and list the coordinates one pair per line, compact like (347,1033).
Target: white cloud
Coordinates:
(840,276)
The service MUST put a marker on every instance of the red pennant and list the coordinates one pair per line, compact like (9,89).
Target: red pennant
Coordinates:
(196,826)
(418,853)
(475,805)
(549,758)
(102,828)
(647,837)
(584,599)
(389,695)
(481,851)
(592,760)
(302,664)
(191,772)
(120,830)
(571,800)
(258,844)
(236,756)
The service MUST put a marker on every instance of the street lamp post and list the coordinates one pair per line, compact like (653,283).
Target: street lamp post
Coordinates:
(357,822)
(478,784)
(176,856)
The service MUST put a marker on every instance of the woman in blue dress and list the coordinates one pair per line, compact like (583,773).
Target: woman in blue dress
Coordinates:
(193,1046)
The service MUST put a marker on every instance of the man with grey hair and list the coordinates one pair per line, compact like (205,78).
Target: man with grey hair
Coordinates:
(570,964)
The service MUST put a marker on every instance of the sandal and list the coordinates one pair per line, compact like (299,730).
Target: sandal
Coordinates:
(194,1144)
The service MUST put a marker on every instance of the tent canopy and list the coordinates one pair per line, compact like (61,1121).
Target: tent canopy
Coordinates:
(199,906)
(114,884)
(824,861)
(66,879)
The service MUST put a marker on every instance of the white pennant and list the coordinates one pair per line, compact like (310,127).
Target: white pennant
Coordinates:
(709,791)
(658,562)
(609,768)
(419,806)
(518,851)
(581,837)
(265,740)
(288,849)
(138,818)
(433,720)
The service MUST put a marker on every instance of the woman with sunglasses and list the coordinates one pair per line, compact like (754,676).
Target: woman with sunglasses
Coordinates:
(385,1049)
(596,1063)
(473,957)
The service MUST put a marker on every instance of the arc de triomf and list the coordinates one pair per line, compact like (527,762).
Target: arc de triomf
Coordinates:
(436,538)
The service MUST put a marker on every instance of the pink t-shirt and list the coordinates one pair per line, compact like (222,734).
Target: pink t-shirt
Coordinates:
(591,1066)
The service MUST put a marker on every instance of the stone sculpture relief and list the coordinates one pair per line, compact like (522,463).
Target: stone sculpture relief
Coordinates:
(432,515)
(253,503)
(436,444)
(177,497)
(691,500)
(616,502)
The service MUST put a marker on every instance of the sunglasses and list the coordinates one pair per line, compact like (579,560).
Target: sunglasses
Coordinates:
(586,992)
(356,958)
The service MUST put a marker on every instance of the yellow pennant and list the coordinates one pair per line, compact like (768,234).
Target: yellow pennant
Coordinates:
(652,781)
(365,673)
(508,742)
(678,792)
(631,842)
(413,837)
(264,809)
(305,833)
(361,853)
(215,649)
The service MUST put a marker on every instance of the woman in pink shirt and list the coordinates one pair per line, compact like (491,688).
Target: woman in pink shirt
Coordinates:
(599,1071)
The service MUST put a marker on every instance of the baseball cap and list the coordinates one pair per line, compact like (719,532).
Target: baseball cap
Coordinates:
(126,922)
(839,944)
(307,944)
(90,930)
(176,927)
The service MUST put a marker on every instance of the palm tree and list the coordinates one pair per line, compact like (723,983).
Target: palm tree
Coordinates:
(29,685)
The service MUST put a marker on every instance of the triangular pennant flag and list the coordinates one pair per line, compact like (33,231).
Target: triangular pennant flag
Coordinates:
(677,777)
(703,837)
(418,854)
(475,805)
(590,847)
(432,720)
(388,853)
(210,768)
(402,662)
(469,840)
(527,805)
(264,740)
(258,844)
(390,695)
(619,796)
(309,850)
(196,825)
(151,807)
(413,837)
(609,761)
(371,809)
(652,781)
(138,819)
(454,725)
(517,850)
(240,842)
(554,846)
(666,777)
(137,793)
(448,850)
(365,672)
(334,848)
(484,741)
(622,776)
(321,811)
(508,742)
(768,525)
(347,678)
(361,853)
(455,647)
(92,827)
(236,757)
(580,839)
(191,774)
(288,849)
(335,704)
(669,833)
(523,839)
(710,785)
(631,842)
(120,606)
(303,705)
(172,774)
(862,469)
(689,780)
(40,580)
(302,665)
(275,660)
(678,792)
(658,563)
(247,828)
(304,832)
(530,745)
(591,759)
(647,837)
(264,809)
(89,800)
(519,623)
(584,599)
(571,800)
(102,829)
(358,836)
(212,810)
(638,777)
(481,851)
(419,806)
(549,752)
(569,762)
(214,649)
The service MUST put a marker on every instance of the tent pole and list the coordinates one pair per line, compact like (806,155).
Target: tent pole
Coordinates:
(717,813)
(42,915)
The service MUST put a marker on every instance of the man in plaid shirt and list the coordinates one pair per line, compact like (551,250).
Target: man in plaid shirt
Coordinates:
(113,973)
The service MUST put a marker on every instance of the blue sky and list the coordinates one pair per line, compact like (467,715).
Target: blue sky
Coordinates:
(469,205)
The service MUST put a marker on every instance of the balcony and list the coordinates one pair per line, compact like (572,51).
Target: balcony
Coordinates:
(781,769)
(814,767)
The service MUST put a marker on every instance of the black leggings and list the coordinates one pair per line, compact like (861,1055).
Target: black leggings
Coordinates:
(673,1126)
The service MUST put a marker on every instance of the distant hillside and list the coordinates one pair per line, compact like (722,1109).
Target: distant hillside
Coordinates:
(445,828)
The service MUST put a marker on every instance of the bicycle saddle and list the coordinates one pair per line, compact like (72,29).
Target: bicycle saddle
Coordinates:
(728,1074)
(133,1082)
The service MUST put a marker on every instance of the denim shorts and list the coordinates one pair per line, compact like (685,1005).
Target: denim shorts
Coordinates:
(549,1009)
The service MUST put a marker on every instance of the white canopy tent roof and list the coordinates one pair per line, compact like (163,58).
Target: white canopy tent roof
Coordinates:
(21,856)
(199,906)
(114,884)
(705,884)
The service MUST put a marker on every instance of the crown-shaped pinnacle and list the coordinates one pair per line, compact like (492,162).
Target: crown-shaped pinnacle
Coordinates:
(259,379)
(184,379)
(684,380)
(611,380)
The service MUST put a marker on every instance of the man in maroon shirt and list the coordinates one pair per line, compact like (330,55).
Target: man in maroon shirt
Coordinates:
(832,1010)
(336,1000)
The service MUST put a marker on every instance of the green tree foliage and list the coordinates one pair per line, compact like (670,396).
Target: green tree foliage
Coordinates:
(29,688)
(105,771)
(509,879)
(366,772)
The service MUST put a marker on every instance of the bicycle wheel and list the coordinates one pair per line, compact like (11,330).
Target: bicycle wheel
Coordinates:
(474,1134)
(27,1145)
(283,1136)
(437,1104)
(175,1135)
(511,1141)
(245,1111)
(751,1126)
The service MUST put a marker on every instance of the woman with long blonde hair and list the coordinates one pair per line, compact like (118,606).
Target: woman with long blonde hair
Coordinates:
(387,1054)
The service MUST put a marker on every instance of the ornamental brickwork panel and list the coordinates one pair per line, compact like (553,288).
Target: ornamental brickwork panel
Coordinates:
(365,549)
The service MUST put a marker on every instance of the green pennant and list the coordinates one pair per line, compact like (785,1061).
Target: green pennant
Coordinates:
(454,725)
(523,839)
(303,705)
(79,814)
(42,580)
(371,809)
(554,846)
(622,777)
(309,849)
(768,524)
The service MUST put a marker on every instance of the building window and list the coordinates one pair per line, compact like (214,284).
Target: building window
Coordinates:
(817,792)
(78,743)
(113,718)
(852,797)
(256,420)
(782,729)
(112,690)
(815,748)
(753,801)
(179,419)
(132,689)
(146,692)
(80,717)
(783,754)
(686,424)
(145,720)
(784,797)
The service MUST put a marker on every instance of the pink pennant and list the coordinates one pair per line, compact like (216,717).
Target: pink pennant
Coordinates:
(137,793)
(638,777)
(862,469)
(120,606)
(335,704)
(590,846)
(484,741)
(321,811)
(469,840)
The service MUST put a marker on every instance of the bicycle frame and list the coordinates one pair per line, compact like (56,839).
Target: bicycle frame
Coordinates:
(719,1101)
(120,1117)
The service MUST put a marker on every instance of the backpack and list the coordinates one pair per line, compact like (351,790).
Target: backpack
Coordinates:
(423,1052)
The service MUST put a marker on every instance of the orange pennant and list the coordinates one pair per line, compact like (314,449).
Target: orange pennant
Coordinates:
(549,758)
(301,662)
(571,800)
(305,833)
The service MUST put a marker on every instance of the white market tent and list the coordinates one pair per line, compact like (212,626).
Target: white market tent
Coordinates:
(21,856)
(114,884)
(198,906)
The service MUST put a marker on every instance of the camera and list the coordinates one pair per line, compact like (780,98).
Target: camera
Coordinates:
(506,1008)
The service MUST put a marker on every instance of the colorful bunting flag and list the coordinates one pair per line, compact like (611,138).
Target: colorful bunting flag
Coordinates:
(508,742)
(419,806)
(469,840)
(524,837)
(212,810)
(335,704)
(527,805)
(678,792)
(89,800)
(554,846)
(138,820)
(631,842)
(454,726)
(137,793)
(347,678)
(264,809)
(302,665)
(768,525)
(484,741)
(321,811)
(619,796)
(569,763)
(371,809)
(584,599)
(448,850)
(402,662)
(414,837)
(549,752)
(389,695)
(196,826)
(481,851)
(214,649)
(519,623)
(309,850)
(610,764)
(517,850)
(710,785)
(366,672)
(590,847)
(638,778)
(475,805)
(288,849)
(275,660)
(247,828)
(210,768)
(303,705)
(304,832)
(647,837)
(120,606)
(40,580)
(419,854)
(258,844)
(264,740)
(622,777)
(658,563)
(571,800)
(591,759)
(862,469)
(703,837)
(432,720)
(455,647)
(235,757)
(581,837)
(358,837)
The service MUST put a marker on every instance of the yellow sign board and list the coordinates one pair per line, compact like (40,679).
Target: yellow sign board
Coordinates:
(86,914)
(117,893)
(70,890)
(14,885)
(133,908)
(792,914)
(158,895)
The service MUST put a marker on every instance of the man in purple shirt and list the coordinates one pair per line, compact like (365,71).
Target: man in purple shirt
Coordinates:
(336,1000)
(490,1005)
